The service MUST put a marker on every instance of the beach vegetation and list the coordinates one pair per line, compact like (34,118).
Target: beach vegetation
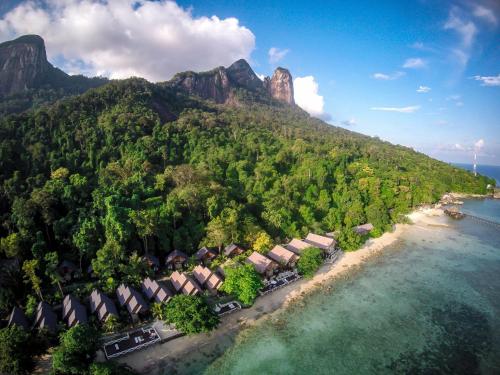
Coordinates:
(15,356)
(243,282)
(76,350)
(190,314)
(309,262)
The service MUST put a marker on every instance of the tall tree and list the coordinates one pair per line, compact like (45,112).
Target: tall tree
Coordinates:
(30,268)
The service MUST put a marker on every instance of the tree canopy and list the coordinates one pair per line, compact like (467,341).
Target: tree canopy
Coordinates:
(190,314)
(309,262)
(242,281)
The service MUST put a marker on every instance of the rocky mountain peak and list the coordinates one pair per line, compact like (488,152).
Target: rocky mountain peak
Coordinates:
(280,86)
(23,63)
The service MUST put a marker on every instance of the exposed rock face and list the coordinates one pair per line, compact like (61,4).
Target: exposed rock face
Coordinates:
(218,84)
(212,85)
(280,86)
(23,64)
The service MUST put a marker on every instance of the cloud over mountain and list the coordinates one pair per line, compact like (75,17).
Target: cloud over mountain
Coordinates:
(129,38)
(307,97)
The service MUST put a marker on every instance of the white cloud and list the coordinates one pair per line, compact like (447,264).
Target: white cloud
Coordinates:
(458,146)
(388,77)
(409,109)
(415,63)
(262,77)
(121,38)
(488,80)
(466,29)
(479,144)
(306,96)
(423,89)
(276,54)
(485,14)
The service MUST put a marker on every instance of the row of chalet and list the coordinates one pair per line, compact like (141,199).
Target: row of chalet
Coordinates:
(162,291)
(286,256)
(74,312)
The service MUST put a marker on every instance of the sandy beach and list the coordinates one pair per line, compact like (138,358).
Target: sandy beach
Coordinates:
(164,357)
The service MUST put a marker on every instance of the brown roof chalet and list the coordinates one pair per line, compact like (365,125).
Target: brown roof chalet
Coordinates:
(101,304)
(184,284)
(323,242)
(261,263)
(206,253)
(46,317)
(207,278)
(73,311)
(157,290)
(282,256)
(131,299)
(297,246)
(233,249)
(18,318)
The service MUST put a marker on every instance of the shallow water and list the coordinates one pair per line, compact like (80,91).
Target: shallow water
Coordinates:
(430,304)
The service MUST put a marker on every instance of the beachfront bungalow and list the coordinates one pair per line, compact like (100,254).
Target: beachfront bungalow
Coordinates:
(263,265)
(152,262)
(67,269)
(297,246)
(323,242)
(131,299)
(46,318)
(284,257)
(206,278)
(157,290)
(73,311)
(102,305)
(233,250)
(364,229)
(184,284)
(206,254)
(176,260)
(18,318)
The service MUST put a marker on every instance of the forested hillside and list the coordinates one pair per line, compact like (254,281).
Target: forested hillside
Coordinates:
(133,167)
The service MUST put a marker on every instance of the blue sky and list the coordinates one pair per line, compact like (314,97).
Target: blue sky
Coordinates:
(425,74)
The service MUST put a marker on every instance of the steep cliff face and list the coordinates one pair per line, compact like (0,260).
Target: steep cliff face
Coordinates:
(219,84)
(280,86)
(213,85)
(23,64)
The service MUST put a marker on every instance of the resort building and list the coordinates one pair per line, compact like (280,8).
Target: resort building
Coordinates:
(206,254)
(233,250)
(131,299)
(364,229)
(176,260)
(283,257)
(102,305)
(45,317)
(73,311)
(323,242)
(263,265)
(184,284)
(206,278)
(18,318)
(297,246)
(157,290)
(152,262)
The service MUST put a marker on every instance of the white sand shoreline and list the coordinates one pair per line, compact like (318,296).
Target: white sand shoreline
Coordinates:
(157,359)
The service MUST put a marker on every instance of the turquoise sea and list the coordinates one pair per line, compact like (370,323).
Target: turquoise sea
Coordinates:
(430,304)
